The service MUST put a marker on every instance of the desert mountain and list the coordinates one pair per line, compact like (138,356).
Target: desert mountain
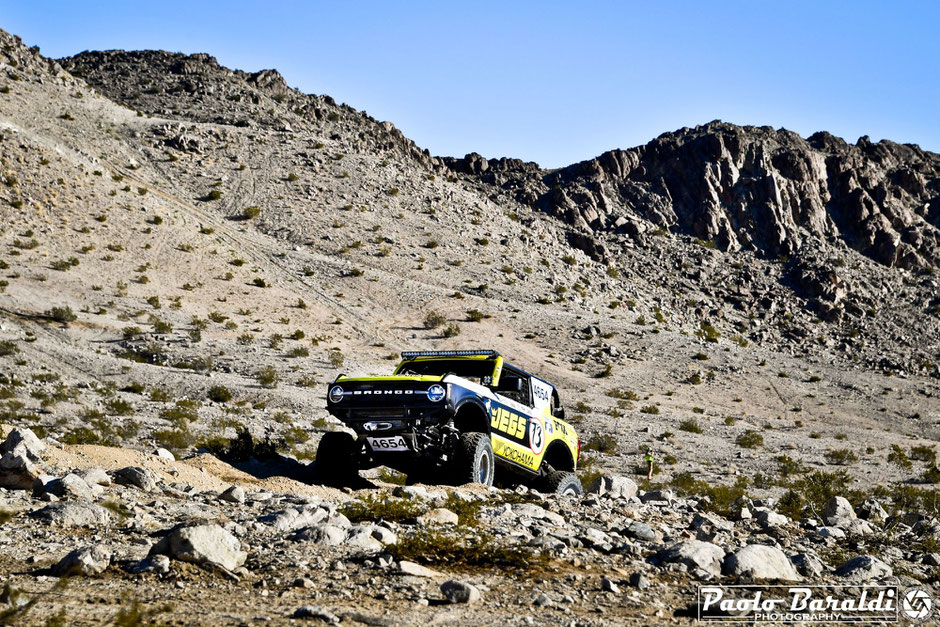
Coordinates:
(189,251)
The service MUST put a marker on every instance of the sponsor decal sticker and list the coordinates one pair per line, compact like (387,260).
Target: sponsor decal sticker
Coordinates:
(536,437)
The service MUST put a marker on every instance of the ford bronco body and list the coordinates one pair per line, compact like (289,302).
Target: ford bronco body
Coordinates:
(453,417)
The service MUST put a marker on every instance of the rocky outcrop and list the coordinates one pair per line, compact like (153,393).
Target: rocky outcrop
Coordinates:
(745,188)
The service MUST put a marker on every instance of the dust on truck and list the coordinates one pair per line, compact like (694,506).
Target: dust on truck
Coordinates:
(451,417)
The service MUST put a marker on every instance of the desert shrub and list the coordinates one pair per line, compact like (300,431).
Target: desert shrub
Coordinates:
(720,499)
(8,348)
(219,394)
(433,320)
(691,425)
(650,409)
(750,439)
(300,351)
(841,457)
(119,407)
(924,454)
(789,467)
(62,314)
(601,442)
(268,377)
(627,395)
(932,474)
(475,315)
(451,330)
(214,195)
(708,332)
(250,213)
(899,458)
(336,358)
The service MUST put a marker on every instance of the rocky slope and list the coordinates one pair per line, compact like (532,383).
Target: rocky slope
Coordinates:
(187,250)
(746,188)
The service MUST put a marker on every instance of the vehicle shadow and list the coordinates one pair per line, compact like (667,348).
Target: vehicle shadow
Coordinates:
(304,472)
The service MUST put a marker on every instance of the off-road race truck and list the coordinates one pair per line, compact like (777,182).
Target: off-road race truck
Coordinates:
(451,417)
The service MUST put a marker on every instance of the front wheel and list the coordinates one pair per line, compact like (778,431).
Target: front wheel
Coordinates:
(563,482)
(474,461)
(335,464)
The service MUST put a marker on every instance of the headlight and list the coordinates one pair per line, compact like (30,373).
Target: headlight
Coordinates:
(436,393)
(336,394)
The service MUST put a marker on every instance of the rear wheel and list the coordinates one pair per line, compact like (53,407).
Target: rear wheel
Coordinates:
(335,464)
(562,482)
(474,461)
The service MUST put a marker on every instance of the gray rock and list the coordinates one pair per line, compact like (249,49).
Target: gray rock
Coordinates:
(360,537)
(317,612)
(830,532)
(536,512)
(609,586)
(76,514)
(23,441)
(294,518)
(235,494)
(769,518)
(542,600)
(323,534)
(202,544)
(837,510)
(95,476)
(416,570)
(696,555)
(758,561)
(808,565)
(384,535)
(871,510)
(456,591)
(135,477)
(162,453)
(864,568)
(411,492)
(159,564)
(641,531)
(639,581)
(438,516)
(88,562)
(614,486)
(71,486)
(659,496)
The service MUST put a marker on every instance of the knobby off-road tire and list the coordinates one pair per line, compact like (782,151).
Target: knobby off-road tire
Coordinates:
(474,462)
(334,464)
(562,482)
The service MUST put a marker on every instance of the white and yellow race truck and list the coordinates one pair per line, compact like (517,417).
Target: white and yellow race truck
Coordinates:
(451,417)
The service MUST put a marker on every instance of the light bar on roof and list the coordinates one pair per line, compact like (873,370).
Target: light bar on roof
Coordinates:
(414,354)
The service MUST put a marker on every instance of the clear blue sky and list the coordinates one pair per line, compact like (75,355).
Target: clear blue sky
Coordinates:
(553,82)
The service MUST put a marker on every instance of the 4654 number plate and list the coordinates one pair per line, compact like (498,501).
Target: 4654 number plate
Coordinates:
(396,443)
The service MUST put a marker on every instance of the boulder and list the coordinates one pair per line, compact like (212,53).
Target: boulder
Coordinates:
(871,510)
(864,568)
(323,534)
(438,516)
(74,514)
(808,565)
(294,518)
(641,531)
(837,510)
(416,570)
(235,494)
(758,561)
(614,486)
(71,486)
(700,557)
(23,441)
(94,476)
(135,477)
(456,591)
(769,518)
(202,544)
(88,562)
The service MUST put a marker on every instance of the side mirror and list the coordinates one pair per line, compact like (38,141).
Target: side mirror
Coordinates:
(559,413)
